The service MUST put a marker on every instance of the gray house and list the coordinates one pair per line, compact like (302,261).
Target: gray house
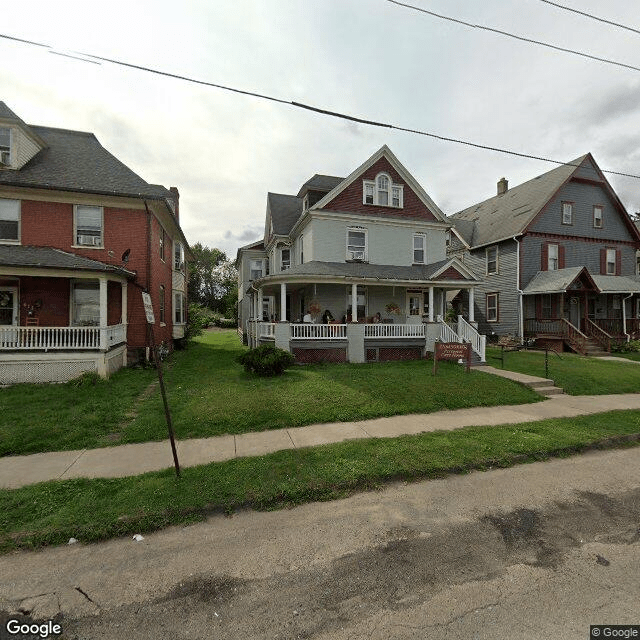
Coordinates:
(354,269)
(558,257)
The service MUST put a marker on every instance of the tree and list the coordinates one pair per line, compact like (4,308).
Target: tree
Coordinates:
(225,279)
(202,288)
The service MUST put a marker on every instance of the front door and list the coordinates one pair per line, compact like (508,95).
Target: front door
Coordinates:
(9,307)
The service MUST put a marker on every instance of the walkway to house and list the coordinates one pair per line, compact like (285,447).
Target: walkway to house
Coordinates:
(134,459)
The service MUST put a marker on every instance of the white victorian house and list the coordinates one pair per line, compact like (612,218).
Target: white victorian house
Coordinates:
(354,269)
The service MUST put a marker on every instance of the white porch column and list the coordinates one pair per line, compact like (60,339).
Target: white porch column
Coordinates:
(103,313)
(354,303)
(283,302)
(471,304)
(124,317)
(430,304)
(260,310)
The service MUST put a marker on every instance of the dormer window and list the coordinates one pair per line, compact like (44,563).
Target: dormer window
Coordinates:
(382,192)
(285,259)
(305,202)
(5,146)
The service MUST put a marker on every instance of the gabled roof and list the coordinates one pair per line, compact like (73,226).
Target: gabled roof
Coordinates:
(617,284)
(508,215)
(27,256)
(556,281)
(285,211)
(8,115)
(319,182)
(76,161)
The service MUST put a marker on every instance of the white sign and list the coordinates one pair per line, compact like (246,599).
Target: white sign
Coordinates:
(148,308)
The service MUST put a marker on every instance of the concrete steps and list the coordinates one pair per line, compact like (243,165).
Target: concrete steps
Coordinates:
(545,387)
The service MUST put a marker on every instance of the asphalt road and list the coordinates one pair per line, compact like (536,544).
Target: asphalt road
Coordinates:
(540,551)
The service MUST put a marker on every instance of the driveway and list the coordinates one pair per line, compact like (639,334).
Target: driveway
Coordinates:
(537,551)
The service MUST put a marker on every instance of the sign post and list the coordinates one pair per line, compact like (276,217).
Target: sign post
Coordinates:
(148,309)
(451,351)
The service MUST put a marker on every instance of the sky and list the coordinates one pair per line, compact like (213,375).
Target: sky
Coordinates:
(369,58)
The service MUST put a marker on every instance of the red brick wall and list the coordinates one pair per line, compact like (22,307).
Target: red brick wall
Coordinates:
(55,295)
(114,303)
(351,198)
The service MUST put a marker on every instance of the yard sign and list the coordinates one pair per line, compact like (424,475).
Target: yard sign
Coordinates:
(451,351)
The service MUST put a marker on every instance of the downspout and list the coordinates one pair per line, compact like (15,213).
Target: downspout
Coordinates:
(519,291)
(624,316)
(148,278)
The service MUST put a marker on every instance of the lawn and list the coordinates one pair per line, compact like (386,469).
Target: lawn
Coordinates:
(576,374)
(91,510)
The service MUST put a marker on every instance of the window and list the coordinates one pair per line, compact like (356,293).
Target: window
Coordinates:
(552,257)
(285,259)
(415,304)
(9,220)
(567,213)
(419,248)
(356,244)
(162,317)
(546,307)
(88,225)
(163,240)
(178,256)
(256,269)
(597,216)
(305,202)
(85,303)
(611,262)
(5,146)
(382,192)
(179,310)
(492,307)
(301,249)
(492,260)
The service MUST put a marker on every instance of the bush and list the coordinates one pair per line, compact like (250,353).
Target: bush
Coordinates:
(227,323)
(86,379)
(266,360)
(633,346)
(199,319)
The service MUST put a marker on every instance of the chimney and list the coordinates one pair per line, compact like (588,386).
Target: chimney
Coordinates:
(175,192)
(503,186)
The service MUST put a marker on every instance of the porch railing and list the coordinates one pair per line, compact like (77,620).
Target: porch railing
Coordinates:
(551,327)
(394,330)
(592,330)
(447,334)
(575,337)
(267,329)
(468,333)
(75,338)
(318,331)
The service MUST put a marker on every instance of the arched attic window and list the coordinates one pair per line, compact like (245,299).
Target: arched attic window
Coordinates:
(382,192)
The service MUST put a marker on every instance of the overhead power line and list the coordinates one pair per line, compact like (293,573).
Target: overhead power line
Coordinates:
(590,15)
(300,105)
(516,37)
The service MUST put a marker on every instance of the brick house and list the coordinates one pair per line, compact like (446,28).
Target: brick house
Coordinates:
(81,235)
(354,269)
(559,259)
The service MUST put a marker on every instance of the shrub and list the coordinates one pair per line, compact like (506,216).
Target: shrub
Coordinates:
(266,360)
(86,379)
(199,320)
(633,346)
(227,323)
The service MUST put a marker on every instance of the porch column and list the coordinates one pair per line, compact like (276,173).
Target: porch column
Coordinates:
(103,313)
(431,304)
(471,302)
(354,303)
(259,315)
(124,318)
(283,302)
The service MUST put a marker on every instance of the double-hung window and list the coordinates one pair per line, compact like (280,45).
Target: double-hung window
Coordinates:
(89,226)
(492,307)
(285,259)
(5,146)
(178,256)
(357,244)
(162,304)
(567,213)
(611,262)
(552,257)
(179,314)
(255,269)
(85,303)
(163,242)
(9,220)
(597,216)
(492,260)
(382,192)
(419,248)
(546,305)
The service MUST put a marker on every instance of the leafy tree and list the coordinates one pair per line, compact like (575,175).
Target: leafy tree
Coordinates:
(203,289)
(225,279)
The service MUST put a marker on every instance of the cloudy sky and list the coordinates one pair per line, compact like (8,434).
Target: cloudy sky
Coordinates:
(368,58)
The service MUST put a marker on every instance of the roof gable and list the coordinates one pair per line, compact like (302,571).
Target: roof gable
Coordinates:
(283,212)
(348,195)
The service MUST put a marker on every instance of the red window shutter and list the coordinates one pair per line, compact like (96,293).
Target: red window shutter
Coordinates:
(560,256)
(544,256)
(618,262)
(603,262)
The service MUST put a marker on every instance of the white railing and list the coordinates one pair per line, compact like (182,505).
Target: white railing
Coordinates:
(394,330)
(447,334)
(267,329)
(468,333)
(45,338)
(318,331)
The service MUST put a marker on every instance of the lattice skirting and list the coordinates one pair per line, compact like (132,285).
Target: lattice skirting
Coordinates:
(387,354)
(308,356)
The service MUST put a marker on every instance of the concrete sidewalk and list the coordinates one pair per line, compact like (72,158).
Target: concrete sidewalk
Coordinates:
(134,459)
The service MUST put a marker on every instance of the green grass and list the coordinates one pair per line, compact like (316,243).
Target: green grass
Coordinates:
(91,510)
(634,355)
(577,375)
(210,394)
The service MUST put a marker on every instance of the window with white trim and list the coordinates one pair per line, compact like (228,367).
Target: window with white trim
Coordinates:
(492,260)
(552,257)
(9,220)
(89,225)
(597,216)
(611,262)
(382,192)
(255,267)
(301,249)
(419,248)
(5,146)
(567,213)
(178,256)
(162,304)
(85,303)
(492,307)
(163,241)
(179,308)
(357,244)
(285,259)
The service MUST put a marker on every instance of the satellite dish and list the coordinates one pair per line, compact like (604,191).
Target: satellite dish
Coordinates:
(125,256)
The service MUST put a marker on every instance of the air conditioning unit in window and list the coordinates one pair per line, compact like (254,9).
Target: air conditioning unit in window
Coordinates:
(356,255)
(89,240)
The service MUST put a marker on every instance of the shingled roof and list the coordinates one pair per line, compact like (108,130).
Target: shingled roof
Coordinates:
(285,211)
(319,182)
